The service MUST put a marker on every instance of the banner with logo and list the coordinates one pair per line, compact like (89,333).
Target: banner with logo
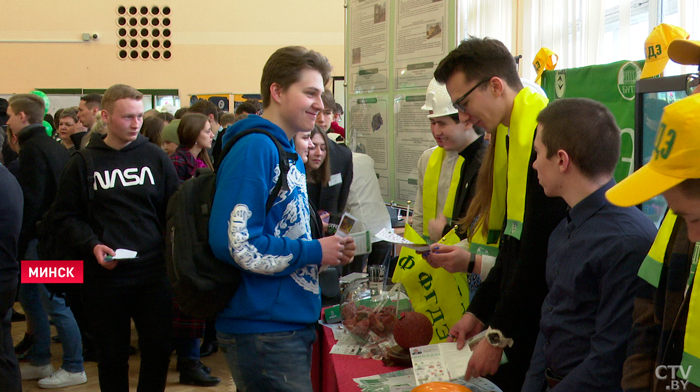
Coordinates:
(440,295)
(613,85)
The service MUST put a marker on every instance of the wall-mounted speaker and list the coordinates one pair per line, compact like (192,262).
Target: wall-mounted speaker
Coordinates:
(144,32)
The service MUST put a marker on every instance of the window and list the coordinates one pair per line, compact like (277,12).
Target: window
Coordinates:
(581,32)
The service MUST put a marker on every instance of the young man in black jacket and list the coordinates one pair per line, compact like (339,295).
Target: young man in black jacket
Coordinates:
(133,180)
(41,163)
(10,224)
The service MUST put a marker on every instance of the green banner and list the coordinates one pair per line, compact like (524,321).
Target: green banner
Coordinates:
(613,85)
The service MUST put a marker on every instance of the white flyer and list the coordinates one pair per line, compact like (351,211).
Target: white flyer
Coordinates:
(347,345)
(439,362)
(389,236)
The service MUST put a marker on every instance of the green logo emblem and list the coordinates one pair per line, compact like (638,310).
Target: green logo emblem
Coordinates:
(560,83)
(626,79)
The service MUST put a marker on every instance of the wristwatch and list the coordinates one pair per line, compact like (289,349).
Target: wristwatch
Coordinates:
(496,338)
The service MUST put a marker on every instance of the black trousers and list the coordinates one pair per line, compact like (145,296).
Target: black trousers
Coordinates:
(10,379)
(110,308)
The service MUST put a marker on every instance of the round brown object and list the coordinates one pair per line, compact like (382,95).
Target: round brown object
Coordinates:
(413,329)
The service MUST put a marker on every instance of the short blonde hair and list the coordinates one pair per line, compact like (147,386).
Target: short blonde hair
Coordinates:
(117,92)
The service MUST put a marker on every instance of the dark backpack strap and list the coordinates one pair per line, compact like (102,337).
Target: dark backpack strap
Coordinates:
(90,169)
(284,158)
(282,183)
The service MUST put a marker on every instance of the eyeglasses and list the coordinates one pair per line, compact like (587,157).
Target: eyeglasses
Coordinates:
(457,105)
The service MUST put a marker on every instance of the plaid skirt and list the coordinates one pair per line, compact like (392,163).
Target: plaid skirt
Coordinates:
(185,326)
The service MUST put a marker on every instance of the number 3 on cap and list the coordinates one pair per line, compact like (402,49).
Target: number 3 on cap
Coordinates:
(669,137)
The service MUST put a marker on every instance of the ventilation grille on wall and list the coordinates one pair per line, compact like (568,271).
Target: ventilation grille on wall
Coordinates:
(144,33)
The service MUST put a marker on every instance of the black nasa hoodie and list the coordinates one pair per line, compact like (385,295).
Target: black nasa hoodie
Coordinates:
(131,191)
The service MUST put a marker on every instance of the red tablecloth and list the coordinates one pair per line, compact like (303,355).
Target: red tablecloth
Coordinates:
(334,372)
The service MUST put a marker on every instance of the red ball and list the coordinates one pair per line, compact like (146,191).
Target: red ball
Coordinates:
(413,329)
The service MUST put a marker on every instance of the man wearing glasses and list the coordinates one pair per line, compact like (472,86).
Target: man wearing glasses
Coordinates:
(510,217)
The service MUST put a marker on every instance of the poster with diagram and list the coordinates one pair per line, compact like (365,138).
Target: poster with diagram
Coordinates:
(370,135)
(420,41)
(368,25)
(412,130)
(392,49)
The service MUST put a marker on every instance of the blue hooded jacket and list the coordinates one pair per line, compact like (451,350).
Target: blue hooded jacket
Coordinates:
(279,260)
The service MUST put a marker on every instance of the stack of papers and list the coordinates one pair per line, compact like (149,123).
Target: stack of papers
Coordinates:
(404,381)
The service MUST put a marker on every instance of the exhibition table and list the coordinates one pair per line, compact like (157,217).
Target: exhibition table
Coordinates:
(334,372)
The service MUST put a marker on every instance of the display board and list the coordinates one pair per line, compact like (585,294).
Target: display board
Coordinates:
(613,85)
(392,50)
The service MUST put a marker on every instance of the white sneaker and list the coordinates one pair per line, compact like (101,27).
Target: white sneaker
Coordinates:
(62,378)
(31,372)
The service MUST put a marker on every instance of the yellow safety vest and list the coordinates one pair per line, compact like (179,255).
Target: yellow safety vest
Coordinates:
(650,271)
(510,173)
(430,188)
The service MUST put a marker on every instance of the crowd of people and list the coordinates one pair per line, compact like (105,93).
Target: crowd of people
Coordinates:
(571,285)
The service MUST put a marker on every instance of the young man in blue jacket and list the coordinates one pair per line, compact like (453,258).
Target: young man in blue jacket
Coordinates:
(267,329)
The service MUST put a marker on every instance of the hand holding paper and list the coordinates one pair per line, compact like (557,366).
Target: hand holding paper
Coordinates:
(390,236)
(451,258)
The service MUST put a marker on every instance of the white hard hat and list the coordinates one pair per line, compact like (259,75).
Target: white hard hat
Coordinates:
(438,100)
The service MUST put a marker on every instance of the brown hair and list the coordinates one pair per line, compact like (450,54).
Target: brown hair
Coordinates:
(180,112)
(479,59)
(586,130)
(247,107)
(57,117)
(71,112)
(92,100)
(240,117)
(284,68)
(480,206)
(188,131)
(31,105)
(165,116)
(152,128)
(117,92)
(328,100)
(227,118)
(323,174)
(206,108)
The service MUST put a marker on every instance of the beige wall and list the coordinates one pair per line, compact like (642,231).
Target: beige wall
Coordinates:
(219,46)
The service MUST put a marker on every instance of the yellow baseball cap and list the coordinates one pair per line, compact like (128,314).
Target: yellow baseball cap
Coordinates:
(676,156)
(684,51)
(656,48)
